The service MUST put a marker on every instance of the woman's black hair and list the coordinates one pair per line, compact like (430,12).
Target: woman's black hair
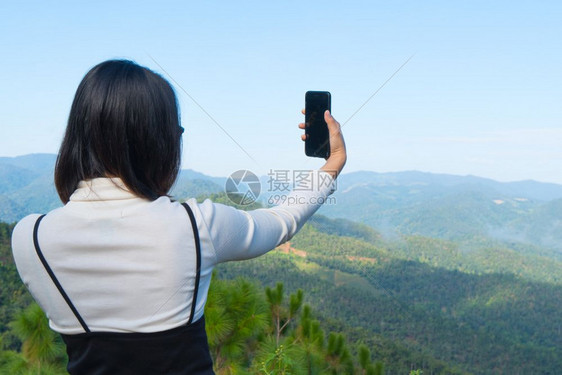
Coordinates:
(124,122)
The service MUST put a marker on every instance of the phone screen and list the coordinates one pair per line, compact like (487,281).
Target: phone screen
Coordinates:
(317,143)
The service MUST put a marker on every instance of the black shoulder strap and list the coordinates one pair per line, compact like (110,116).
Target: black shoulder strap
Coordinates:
(53,277)
(198,254)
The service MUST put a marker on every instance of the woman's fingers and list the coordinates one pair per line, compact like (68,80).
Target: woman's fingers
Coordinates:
(337,144)
(338,154)
(302,126)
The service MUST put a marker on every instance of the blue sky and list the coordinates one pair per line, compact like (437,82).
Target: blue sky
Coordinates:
(481,95)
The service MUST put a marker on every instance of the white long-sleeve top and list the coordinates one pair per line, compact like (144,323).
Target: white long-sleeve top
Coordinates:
(128,264)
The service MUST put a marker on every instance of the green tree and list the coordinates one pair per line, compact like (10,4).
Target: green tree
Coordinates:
(274,359)
(282,316)
(42,350)
(338,355)
(235,315)
(310,338)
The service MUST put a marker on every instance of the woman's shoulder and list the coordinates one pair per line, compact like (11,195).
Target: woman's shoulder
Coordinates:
(22,240)
(25,226)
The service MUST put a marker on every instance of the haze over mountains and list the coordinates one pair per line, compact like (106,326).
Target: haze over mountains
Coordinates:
(459,208)
(452,207)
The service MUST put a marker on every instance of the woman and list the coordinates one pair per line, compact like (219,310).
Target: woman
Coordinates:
(122,271)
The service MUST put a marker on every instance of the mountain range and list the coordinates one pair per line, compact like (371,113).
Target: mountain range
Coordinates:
(458,208)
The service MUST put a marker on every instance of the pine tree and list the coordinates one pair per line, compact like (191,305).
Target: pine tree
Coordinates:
(282,316)
(310,337)
(235,315)
(42,349)
(338,355)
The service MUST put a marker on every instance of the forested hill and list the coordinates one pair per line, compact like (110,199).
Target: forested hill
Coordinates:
(426,303)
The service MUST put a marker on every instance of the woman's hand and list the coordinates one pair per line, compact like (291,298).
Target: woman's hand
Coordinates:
(338,155)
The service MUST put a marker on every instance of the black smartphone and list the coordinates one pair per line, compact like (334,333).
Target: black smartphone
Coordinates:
(317,143)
